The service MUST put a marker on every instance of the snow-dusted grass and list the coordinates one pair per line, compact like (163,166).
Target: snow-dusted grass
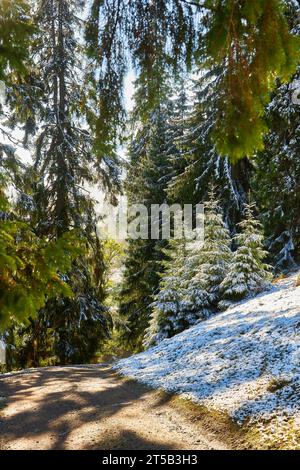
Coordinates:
(245,361)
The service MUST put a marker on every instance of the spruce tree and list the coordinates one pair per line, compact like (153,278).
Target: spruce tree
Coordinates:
(146,182)
(247,274)
(169,315)
(31,267)
(64,166)
(215,255)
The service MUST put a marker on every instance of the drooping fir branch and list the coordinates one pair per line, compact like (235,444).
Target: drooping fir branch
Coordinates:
(251,40)
(276,180)
(151,37)
(201,165)
(16,28)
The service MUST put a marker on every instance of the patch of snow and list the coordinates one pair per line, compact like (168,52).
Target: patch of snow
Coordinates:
(245,361)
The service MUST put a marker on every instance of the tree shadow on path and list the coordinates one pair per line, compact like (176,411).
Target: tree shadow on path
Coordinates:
(59,408)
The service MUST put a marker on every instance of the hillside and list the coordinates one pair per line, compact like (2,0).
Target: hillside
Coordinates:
(244,362)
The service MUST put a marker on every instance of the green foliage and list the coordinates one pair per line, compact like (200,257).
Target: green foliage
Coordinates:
(16,27)
(252,41)
(29,346)
(155,38)
(31,270)
(113,257)
(276,179)
(51,259)
(64,166)
(53,263)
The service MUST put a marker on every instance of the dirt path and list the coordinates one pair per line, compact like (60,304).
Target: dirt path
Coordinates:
(91,407)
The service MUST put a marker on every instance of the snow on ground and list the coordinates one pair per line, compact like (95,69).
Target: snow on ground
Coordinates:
(245,361)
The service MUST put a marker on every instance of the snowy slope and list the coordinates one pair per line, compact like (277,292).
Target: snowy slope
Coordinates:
(245,361)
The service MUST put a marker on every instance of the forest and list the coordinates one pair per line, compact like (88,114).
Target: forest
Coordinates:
(213,119)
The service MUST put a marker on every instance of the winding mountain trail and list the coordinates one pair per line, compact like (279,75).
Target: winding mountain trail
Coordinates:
(91,407)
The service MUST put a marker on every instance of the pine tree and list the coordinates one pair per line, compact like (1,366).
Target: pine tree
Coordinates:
(147,179)
(31,267)
(169,315)
(247,274)
(215,255)
(64,167)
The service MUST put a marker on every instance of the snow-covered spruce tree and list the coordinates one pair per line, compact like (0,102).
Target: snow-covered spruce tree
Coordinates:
(247,274)
(276,179)
(189,290)
(168,315)
(213,260)
(197,302)
(65,165)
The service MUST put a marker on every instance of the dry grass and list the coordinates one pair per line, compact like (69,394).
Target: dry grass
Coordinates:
(277,384)
(297,282)
(270,435)
(279,278)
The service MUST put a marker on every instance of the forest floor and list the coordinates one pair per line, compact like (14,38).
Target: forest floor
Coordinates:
(92,407)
